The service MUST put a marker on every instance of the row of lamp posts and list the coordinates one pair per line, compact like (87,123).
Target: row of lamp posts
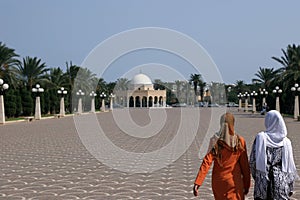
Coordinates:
(246,96)
(38,89)
(253,95)
(277,91)
(80,94)
(93,95)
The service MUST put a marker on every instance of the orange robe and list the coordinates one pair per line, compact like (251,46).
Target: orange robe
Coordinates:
(229,180)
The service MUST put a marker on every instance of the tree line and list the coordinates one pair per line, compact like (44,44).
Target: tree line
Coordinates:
(22,74)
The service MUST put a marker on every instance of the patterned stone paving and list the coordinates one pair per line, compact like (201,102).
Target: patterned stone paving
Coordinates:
(46,160)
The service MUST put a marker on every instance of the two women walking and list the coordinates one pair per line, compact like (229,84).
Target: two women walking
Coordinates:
(271,162)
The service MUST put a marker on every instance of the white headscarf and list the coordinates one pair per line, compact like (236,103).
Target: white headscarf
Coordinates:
(274,137)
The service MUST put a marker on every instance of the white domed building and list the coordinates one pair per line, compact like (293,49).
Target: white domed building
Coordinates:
(141,93)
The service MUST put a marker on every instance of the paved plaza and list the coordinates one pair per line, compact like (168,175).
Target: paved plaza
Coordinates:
(47,159)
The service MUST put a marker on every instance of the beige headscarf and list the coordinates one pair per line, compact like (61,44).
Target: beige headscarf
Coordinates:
(228,138)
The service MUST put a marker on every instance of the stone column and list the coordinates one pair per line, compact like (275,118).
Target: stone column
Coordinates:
(62,107)
(111,103)
(93,110)
(147,101)
(79,105)
(2,112)
(253,106)
(37,114)
(296,107)
(264,101)
(246,104)
(277,104)
(103,105)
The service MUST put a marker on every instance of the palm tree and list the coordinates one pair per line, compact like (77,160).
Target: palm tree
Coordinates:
(31,71)
(121,84)
(290,61)
(196,79)
(240,86)
(56,81)
(159,85)
(265,76)
(8,59)
(290,73)
(202,86)
(70,75)
(85,80)
(69,79)
(178,90)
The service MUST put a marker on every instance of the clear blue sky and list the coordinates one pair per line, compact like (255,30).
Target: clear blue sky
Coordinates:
(240,36)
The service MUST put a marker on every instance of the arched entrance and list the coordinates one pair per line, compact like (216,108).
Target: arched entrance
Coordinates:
(131,102)
(150,101)
(160,101)
(155,100)
(144,101)
(137,101)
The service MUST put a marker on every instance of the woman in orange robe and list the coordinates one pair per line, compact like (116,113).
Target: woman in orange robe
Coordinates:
(231,171)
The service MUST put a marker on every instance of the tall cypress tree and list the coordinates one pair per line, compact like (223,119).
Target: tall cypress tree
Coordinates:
(10,103)
(27,102)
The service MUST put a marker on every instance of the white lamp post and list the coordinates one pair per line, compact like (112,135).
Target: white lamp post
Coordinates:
(3,87)
(277,92)
(93,94)
(296,89)
(112,96)
(37,90)
(253,95)
(103,96)
(79,94)
(240,96)
(264,93)
(62,92)
(246,95)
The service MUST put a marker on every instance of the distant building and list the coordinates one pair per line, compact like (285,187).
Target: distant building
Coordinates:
(141,93)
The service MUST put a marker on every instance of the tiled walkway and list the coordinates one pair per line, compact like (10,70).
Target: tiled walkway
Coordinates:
(46,159)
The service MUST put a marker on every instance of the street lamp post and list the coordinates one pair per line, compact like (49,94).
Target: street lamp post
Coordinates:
(246,95)
(79,94)
(277,92)
(3,87)
(240,96)
(112,96)
(253,95)
(296,89)
(264,93)
(93,95)
(37,90)
(103,96)
(62,92)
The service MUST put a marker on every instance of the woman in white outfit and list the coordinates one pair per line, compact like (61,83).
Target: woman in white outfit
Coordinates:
(271,160)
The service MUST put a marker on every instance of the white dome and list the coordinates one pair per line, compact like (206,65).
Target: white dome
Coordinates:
(141,79)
